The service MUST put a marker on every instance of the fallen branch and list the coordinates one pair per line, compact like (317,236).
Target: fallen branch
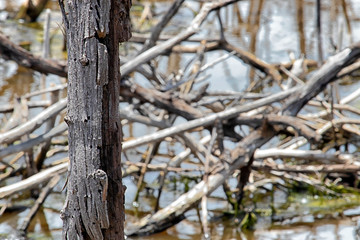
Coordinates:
(312,155)
(208,120)
(39,201)
(31,125)
(34,180)
(244,150)
(193,28)
(331,168)
(11,51)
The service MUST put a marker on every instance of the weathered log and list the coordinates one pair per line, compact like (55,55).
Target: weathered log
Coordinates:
(311,155)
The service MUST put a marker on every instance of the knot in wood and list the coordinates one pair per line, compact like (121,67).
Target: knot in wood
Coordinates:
(84,61)
(67,120)
(26,63)
(101,177)
(63,214)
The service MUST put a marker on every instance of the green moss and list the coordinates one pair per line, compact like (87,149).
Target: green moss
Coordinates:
(249,220)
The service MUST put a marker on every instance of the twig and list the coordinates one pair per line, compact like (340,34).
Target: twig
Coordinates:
(163,47)
(156,31)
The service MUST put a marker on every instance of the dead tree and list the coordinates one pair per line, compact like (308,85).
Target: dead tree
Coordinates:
(94,207)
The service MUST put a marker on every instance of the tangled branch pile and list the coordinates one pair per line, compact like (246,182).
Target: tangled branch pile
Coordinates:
(242,132)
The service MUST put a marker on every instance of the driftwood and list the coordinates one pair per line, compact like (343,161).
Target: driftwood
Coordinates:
(215,116)
(44,193)
(242,155)
(11,51)
(29,126)
(167,45)
(33,180)
(61,128)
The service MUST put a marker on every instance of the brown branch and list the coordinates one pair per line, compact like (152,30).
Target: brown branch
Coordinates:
(34,209)
(252,60)
(162,100)
(155,33)
(332,168)
(279,123)
(244,150)
(11,51)
(167,45)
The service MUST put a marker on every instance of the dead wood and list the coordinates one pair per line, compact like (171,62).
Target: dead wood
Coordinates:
(327,73)
(33,181)
(29,126)
(9,50)
(166,100)
(8,108)
(40,158)
(61,128)
(167,45)
(143,37)
(329,168)
(39,201)
(251,59)
(156,31)
(311,155)
(242,154)
(279,123)
(207,120)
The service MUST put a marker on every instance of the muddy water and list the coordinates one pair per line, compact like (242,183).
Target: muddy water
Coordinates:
(271,29)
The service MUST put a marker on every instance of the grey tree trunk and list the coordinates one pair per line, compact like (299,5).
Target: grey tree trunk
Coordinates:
(94,207)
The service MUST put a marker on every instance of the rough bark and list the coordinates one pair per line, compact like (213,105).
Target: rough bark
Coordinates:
(94,205)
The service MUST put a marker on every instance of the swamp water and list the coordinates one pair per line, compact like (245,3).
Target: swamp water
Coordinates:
(269,28)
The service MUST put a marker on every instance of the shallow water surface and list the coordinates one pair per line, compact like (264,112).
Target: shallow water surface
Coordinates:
(272,30)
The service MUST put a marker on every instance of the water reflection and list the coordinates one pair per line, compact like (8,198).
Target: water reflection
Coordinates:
(267,28)
(17,84)
(300,25)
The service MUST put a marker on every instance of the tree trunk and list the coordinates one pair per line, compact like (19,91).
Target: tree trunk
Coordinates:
(94,207)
